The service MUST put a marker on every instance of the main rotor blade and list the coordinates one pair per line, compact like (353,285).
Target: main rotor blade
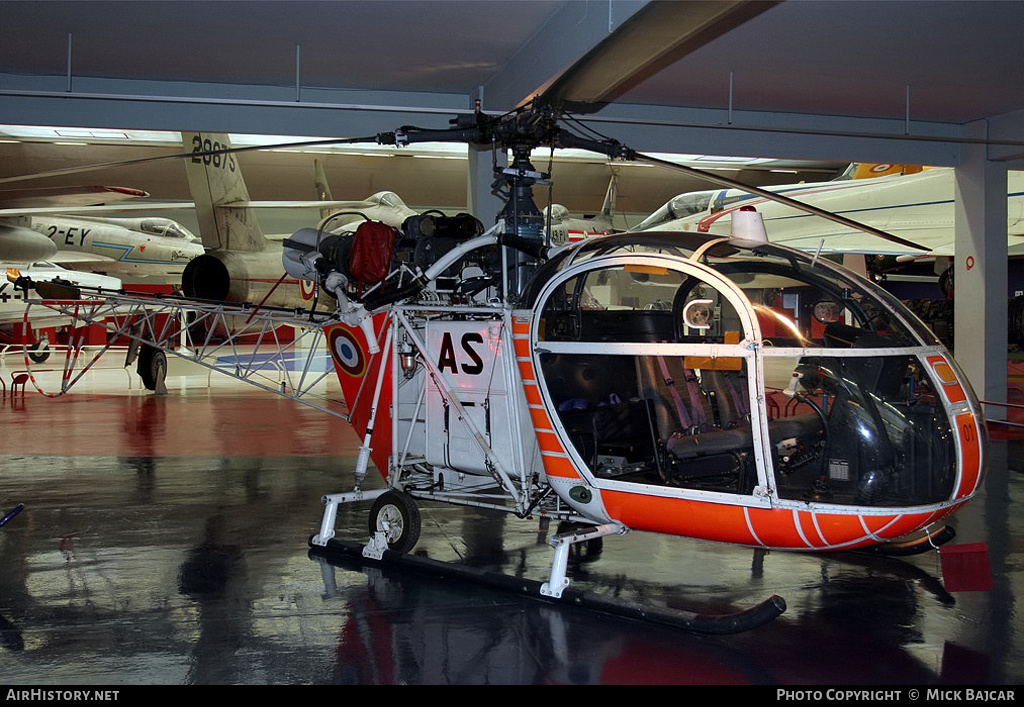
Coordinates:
(772,196)
(656,36)
(725,181)
(82,169)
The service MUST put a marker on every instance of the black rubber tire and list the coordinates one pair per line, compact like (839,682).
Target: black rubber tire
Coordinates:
(39,351)
(397,515)
(152,366)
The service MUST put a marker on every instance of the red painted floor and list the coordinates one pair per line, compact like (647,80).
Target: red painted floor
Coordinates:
(175,425)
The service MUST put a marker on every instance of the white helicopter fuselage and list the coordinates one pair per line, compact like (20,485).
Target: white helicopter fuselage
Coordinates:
(679,385)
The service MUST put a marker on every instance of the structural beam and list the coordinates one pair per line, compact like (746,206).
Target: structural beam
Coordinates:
(148,105)
(575,30)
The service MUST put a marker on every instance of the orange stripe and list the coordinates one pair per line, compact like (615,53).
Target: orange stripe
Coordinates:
(541,421)
(556,463)
(951,387)
(970,454)
(559,466)
(526,372)
(532,395)
(548,443)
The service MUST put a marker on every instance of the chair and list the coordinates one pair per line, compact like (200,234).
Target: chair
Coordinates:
(18,379)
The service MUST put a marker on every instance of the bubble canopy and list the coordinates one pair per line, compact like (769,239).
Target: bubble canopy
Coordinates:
(681,361)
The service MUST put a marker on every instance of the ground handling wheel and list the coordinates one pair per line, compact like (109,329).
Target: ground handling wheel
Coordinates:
(396,515)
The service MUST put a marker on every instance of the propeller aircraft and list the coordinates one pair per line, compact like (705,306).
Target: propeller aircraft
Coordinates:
(721,387)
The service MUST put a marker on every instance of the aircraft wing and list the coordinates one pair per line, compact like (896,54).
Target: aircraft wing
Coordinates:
(937,241)
(21,245)
(93,262)
(74,259)
(175,205)
(66,196)
(310,204)
(80,200)
(98,209)
(813,234)
(917,208)
(63,200)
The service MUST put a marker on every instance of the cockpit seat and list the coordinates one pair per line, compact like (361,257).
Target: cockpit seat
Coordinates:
(679,402)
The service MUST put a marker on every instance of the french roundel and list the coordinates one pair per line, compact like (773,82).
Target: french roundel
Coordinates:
(306,288)
(347,352)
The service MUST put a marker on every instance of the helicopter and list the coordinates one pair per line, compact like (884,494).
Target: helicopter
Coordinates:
(715,387)
(722,388)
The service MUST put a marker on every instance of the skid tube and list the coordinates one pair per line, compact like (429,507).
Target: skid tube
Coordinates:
(719,624)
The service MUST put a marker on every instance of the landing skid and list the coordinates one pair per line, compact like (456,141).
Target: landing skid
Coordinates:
(688,620)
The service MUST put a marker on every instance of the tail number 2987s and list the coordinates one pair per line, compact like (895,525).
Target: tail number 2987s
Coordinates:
(209,153)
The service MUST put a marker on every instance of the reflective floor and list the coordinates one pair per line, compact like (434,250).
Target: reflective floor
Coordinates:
(164,541)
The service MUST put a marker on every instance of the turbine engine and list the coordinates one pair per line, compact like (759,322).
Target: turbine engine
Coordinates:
(225,276)
(348,263)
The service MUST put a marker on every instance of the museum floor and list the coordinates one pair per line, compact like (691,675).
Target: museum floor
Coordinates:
(164,541)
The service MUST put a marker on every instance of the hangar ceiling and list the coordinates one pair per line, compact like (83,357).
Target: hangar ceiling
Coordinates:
(828,81)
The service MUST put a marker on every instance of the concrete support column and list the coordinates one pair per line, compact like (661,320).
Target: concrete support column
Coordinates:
(980,270)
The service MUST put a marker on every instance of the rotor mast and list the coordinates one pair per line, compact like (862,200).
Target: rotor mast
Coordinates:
(520,221)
